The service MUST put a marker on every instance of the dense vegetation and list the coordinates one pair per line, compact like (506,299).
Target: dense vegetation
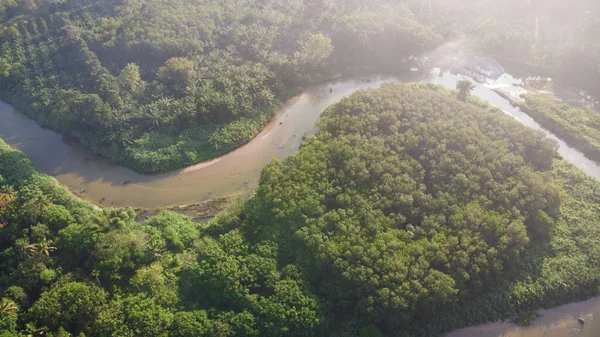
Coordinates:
(410,213)
(578,126)
(157,85)
(70,269)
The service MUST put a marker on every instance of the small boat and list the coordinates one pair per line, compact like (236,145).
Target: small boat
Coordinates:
(414,70)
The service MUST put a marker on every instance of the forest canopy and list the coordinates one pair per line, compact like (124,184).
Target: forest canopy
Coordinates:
(413,211)
(158,85)
(410,213)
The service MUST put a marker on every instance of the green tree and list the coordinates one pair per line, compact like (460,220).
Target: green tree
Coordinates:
(58,217)
(178,230)
(145,317)
(120,252)
(158,283)
(71,305)
(290,311)
(317,48)
(177,73)
(194,323)
(4,67)
(17,294)
(130,79)
(464,87)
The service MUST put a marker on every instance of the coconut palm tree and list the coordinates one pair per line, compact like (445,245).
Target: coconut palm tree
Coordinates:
(154,116)
(44,247)
(8,308)
(29,250)
(4,68)
(96,273)
(265,96)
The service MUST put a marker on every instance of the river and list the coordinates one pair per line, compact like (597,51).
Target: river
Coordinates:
(236,172)
(239,171)
(98,179)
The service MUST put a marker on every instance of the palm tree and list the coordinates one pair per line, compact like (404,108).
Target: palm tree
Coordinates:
(244,100)
(44,247)
(154,116)
(8,308)
(265,96)
(259,73)
(29,250)
(96,274)
(192,90)
(4,68)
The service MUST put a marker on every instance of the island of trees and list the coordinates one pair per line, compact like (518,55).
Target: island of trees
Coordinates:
(410,213)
